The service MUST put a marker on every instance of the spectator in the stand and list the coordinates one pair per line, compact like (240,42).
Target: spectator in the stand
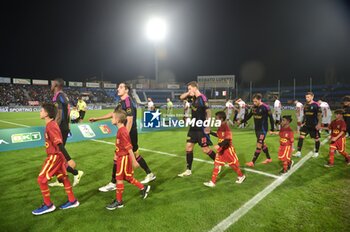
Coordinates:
(169,107)
(150,104)
(74,115)
(81,105)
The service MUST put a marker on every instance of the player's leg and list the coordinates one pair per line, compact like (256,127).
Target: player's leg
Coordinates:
(142,162)
(265,149)
(315,134)
(129,176)
(70,168)
(332,149)
(303,133)
(257,150)
(119,176)
(217,165)
(341,145)
(72,201)
(204,142)
(42,179)
(278,121)
(189,159)
(111,186)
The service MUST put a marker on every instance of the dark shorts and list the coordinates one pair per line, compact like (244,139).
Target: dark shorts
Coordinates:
(134,139)
(315,134)
(81,114)
(260,136)
(198,136)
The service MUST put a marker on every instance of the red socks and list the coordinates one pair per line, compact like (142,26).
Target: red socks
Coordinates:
(119,192)
(68,189)
(46,193)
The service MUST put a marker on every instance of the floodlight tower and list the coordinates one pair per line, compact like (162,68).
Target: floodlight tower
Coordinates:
(156,31)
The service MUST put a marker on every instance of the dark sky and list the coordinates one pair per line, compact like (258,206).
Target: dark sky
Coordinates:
(257,40)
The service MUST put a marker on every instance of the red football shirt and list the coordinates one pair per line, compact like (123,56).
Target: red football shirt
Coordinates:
(123,142)
(223,133)
(286,136)
(53,137)
(337,126)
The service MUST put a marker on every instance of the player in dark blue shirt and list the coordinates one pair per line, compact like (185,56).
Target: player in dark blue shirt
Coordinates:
(126,104)
(61,101)
(197,134)
(262,114)
(311,124)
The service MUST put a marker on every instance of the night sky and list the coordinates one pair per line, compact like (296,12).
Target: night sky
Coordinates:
(262,41)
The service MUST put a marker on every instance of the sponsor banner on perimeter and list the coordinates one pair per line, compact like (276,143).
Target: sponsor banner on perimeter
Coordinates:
(29,137)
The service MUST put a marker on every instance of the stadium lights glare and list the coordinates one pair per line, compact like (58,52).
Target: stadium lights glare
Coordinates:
(156,29)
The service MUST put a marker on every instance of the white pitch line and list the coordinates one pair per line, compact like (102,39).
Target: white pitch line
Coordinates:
(196,159)
(14,123)
(236,215)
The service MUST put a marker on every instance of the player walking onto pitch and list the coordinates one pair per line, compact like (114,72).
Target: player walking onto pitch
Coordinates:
(338,139)
(226,151)
(150,104)
(200,135)
(326,114)
(261,113)
(187,110)
(241,111)
(125,160)
(128,106)
(286,143)
(277,112)
(61,101)
(311,124)
(55,163)
(299,110)
(229,108)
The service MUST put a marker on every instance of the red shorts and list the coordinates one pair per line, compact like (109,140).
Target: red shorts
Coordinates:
(54,165)
(227,156)
(285,152)
(124,168)
(339,145)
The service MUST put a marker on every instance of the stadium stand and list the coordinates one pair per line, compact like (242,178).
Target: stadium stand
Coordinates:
(21,95)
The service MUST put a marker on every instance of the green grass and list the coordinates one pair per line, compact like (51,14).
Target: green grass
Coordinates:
(312,199)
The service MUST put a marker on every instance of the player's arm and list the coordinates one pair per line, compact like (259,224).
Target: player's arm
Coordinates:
(207,113)
(246,119)
(59,105)
(273,132)
(129,116)
(319,117)
(225,143)
(107,116)
(337,137)
(55,134)
(129,121)
(184,96)
(215,134)
(272,122)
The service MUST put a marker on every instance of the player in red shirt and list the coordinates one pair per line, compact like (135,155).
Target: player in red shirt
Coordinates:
(55,163)
(225,151)
(286,143)
(338,138)
(125,160)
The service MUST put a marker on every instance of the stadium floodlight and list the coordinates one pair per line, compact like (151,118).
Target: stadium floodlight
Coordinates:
(156,29)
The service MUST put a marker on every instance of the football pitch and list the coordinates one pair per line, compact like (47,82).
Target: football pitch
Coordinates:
(309,198)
